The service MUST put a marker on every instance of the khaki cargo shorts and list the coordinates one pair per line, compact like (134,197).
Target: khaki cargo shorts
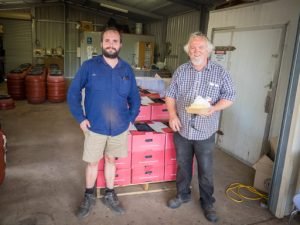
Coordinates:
(96,145)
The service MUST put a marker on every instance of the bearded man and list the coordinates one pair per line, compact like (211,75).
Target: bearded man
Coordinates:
(111,102)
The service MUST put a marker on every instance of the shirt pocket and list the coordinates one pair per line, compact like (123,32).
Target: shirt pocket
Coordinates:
(213,91)
(97,82)
(123,87)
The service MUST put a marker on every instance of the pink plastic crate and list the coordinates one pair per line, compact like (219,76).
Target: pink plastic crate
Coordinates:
(121,163)
(146,174)
(169,138)
(129,142)
(170,172)
(122,178)
(170,156)
(145,113)
(148,157)
(143,140)
(159,110)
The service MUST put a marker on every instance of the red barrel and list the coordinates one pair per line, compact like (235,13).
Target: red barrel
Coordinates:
(16,81)
(6,102)
(35,83)
(56,85)
(2,157)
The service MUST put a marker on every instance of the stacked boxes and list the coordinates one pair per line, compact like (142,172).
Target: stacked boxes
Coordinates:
(170,156)
(148,153)
(151,152)
(159,110)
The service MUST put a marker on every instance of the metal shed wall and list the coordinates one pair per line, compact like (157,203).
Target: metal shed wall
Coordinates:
(157,30)
(17,43)
(178,31)
(57,26)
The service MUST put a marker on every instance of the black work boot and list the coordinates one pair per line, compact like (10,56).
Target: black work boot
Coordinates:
(210,213)
(110,199)
(177,201)
(86,206)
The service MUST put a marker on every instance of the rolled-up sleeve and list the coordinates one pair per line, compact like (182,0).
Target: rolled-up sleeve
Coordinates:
(227,90)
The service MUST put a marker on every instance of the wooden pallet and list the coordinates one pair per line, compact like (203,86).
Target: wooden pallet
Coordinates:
(135,189)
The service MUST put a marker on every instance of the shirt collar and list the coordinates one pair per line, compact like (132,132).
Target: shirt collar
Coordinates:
(100,59)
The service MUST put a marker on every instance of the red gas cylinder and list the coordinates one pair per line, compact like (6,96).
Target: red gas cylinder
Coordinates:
(16,81)
(35,83)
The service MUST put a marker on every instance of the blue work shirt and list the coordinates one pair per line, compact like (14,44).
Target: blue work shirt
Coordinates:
(111,96)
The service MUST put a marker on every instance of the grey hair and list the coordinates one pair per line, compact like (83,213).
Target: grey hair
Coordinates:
(210,46)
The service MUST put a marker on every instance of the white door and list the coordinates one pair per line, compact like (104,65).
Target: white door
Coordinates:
(253,65)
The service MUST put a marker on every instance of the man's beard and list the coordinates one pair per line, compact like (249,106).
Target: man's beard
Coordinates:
(111,55)
(198,61)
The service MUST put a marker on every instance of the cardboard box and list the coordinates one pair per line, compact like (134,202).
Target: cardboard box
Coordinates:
(48,60)
(263,174)
(86,26)
(273,144)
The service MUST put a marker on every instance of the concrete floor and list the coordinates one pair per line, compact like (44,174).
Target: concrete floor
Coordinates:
(44,181)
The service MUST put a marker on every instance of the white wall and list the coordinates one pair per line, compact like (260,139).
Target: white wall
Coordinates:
(255,15)
(277,12)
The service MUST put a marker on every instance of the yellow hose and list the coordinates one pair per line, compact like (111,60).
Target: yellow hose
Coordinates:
(234,192)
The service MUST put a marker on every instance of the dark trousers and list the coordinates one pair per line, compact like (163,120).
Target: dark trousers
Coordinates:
(185,151)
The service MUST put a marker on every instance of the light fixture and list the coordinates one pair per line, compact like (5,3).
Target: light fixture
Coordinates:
(113,7)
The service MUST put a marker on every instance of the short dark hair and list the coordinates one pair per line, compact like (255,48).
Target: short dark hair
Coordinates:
(111,29)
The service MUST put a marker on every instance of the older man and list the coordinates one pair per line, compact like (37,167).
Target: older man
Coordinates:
(195,133)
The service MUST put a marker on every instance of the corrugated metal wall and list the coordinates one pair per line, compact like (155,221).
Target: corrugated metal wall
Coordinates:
(178,31)
(51,24)
(72,62)
(156,29)
(17,43)
(74,15)
(55,26)
(49,27)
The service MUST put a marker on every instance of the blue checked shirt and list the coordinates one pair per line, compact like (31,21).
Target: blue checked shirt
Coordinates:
(187,83)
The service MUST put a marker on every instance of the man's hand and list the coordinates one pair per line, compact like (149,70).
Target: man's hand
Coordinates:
(175,123)
(207,112)
(220,105)
(85,125)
